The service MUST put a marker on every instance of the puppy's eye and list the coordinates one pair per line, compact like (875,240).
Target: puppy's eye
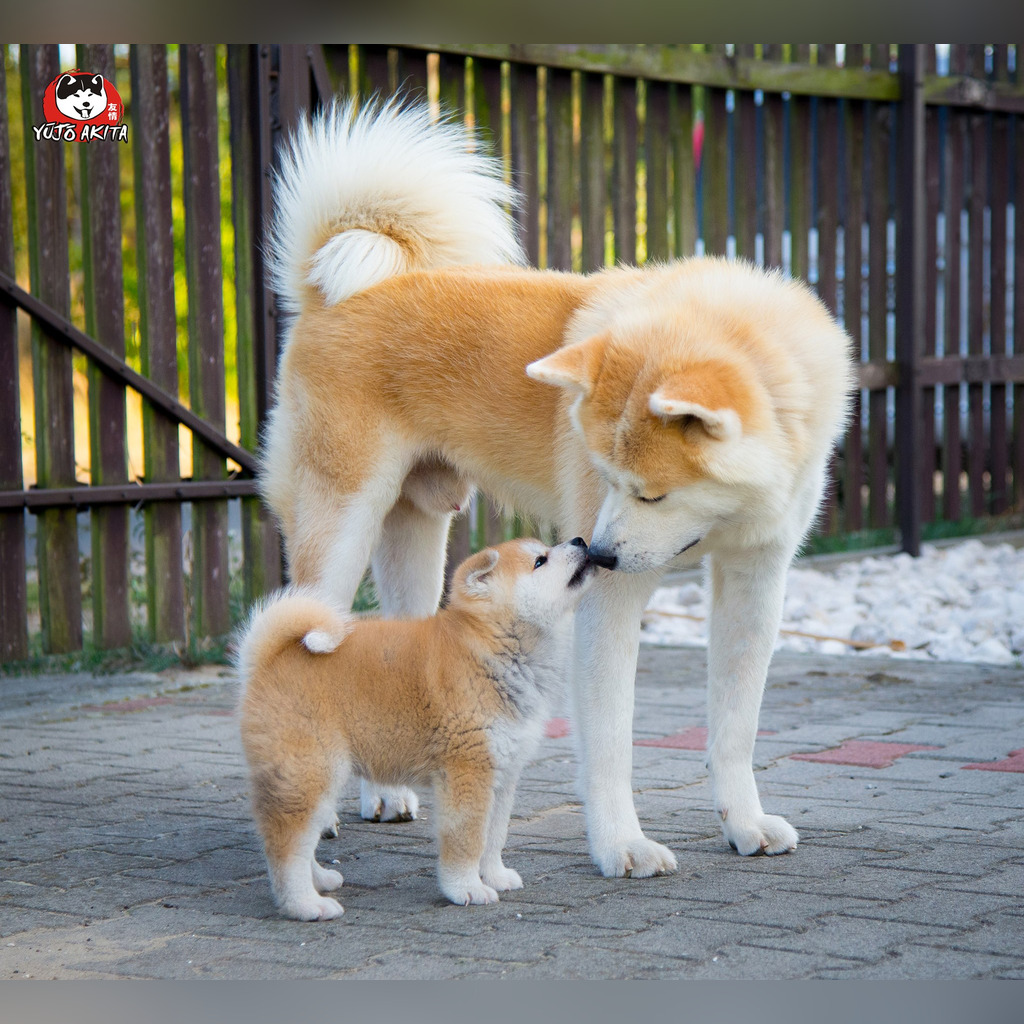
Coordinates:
(541,559)
(651,501)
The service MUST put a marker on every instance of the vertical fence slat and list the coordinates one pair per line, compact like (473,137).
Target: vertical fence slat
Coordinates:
(593,185)
(60,593)
(13,590)
(911,296)
(853,298)
(561,183)
(624,170)
(684,184)
(773,216)
(656,159)
(953,204)
(745,174)
(525,157)
(932,175)
(209,585)
(976,320)
(165,587)
(715,173)
(104,321)
(411,73)
(998,439)
(800,172)
(261,568)
(878,126)
(1017,130)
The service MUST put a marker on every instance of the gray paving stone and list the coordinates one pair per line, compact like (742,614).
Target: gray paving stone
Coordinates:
(127,850)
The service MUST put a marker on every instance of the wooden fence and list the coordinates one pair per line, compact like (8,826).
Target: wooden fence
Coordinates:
(892,179)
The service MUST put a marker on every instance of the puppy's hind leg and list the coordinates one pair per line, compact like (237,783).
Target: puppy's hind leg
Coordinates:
(408,570)
(292,812)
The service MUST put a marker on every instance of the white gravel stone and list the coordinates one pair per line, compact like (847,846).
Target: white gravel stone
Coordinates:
(964,602)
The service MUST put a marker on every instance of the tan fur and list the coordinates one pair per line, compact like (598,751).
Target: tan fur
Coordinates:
(432,700)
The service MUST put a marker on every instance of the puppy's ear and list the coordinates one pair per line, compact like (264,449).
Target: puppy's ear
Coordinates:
(574,367)
(713,395)
(480,567)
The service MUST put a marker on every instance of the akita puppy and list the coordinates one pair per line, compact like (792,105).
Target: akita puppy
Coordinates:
(668,413)
(459,699)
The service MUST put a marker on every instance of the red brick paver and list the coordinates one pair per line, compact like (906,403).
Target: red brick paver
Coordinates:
(1013,763)
(865,753)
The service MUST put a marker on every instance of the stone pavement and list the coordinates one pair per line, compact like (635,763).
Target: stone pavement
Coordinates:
(126,849)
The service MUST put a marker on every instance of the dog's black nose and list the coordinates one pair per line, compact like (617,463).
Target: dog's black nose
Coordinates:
(578,542)
(603,559)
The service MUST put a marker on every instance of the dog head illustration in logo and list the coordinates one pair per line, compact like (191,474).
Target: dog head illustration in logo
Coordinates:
(81,97)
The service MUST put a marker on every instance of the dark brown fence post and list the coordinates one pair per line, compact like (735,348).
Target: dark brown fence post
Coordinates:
(104,321)
(210,606)
(561,177)
(60,590)
(261,569)
(910,291)
(593,176)
(165,586)
(522,82)
(624,170)
(13,597)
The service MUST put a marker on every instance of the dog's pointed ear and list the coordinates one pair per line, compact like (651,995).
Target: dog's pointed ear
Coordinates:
(704,395)
(574,367)
(480,567)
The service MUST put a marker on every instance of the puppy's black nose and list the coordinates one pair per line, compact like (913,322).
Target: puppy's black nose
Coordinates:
(603,559)
(578,542)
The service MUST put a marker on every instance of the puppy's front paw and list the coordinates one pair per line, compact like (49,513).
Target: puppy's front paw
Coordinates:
(638,857)
(764,833)
(464,888)
(322,908)
(502,878)
(326,880)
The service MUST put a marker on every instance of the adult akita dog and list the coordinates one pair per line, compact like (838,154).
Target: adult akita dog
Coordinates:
(667,413)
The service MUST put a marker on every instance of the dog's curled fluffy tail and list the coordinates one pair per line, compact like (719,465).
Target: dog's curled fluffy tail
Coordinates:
(368,192)
(289,617)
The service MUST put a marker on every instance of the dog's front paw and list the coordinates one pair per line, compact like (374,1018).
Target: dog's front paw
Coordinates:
(636,858)
(764,833)
(502,878)
(387,804)
(321,908)
(331,831)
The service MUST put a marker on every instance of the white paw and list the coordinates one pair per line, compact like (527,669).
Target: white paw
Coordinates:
(464,890)
(322,908)
(765,833)
(331,831)
(327,880)
(388,804)
(636,858)
(502,878)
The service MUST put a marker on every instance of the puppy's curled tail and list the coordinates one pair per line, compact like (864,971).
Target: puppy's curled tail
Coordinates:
(368,192)
(291,616)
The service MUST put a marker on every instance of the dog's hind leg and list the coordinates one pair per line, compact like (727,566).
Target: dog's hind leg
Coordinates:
(746,609)
(607,645)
